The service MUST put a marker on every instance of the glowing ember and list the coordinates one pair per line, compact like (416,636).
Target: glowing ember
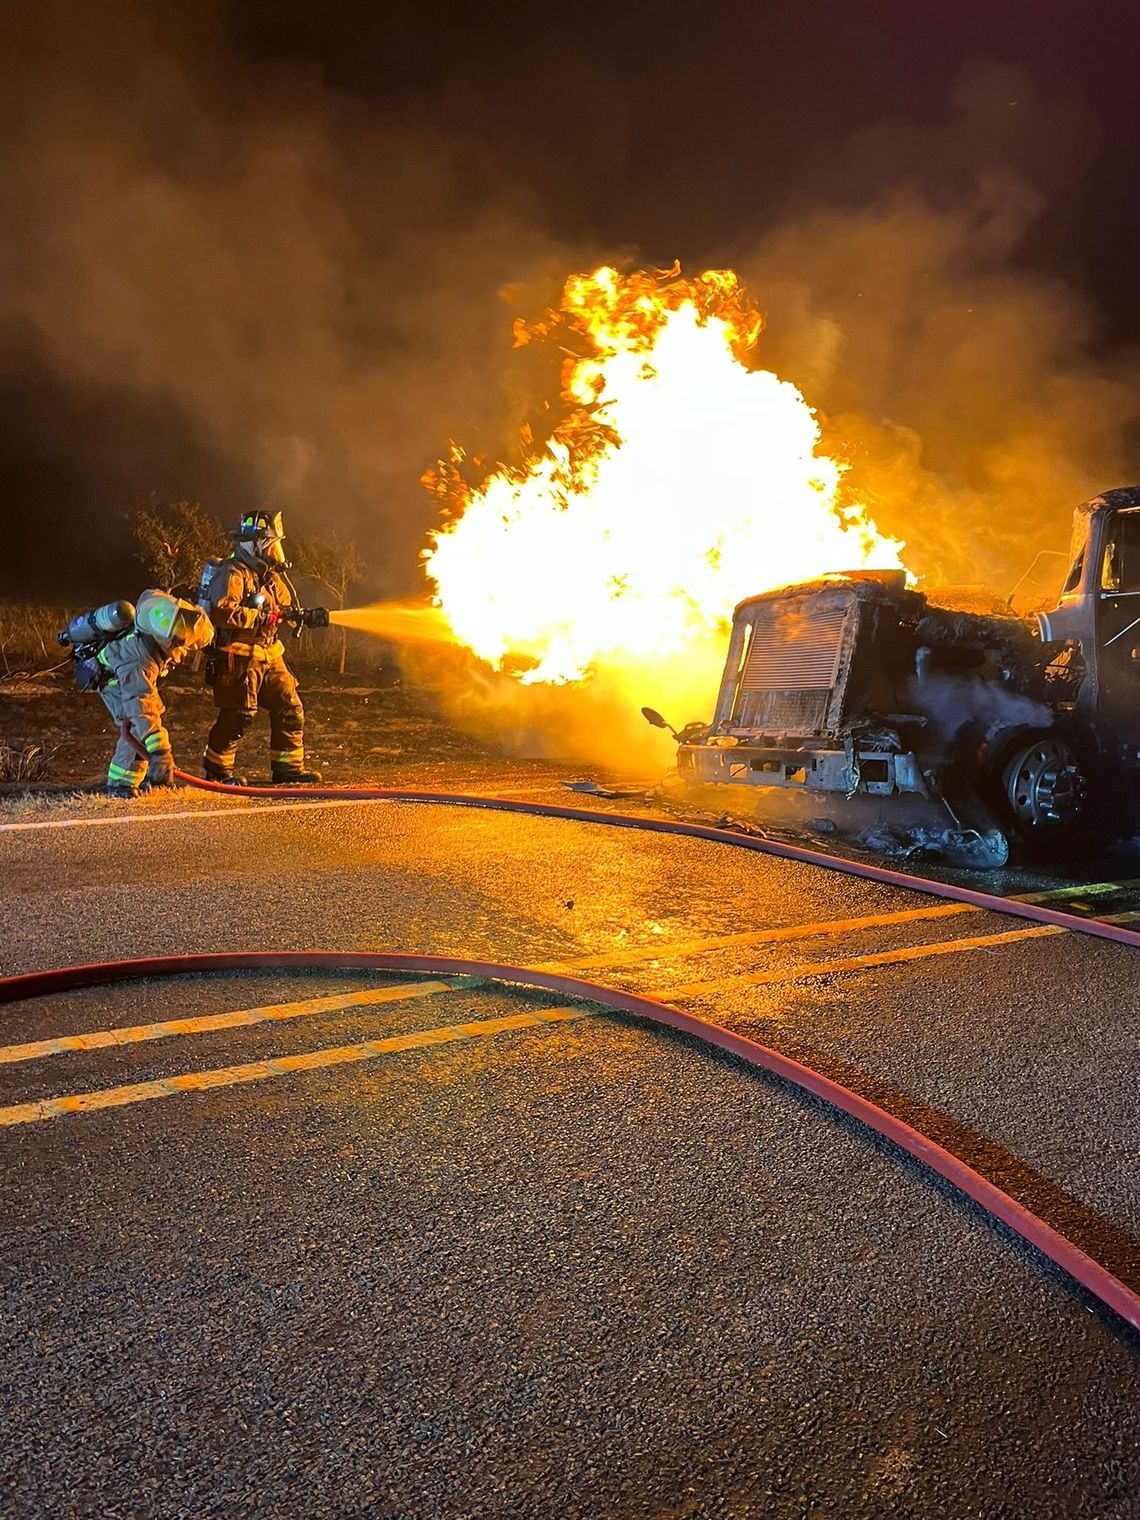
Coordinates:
(679,481)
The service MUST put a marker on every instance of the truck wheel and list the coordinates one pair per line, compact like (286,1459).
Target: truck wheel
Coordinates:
(1045,787)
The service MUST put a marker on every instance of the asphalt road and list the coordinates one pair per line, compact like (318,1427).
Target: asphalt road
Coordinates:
(552,1265)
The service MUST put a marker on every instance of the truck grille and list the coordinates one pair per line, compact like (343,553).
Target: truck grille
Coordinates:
(793,652)
(791,667)
(784,712)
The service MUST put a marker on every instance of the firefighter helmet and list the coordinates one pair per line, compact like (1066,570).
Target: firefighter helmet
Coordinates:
(262,532)
(174,624)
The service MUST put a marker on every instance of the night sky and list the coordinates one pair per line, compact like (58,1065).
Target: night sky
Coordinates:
(683,129)
(271,252)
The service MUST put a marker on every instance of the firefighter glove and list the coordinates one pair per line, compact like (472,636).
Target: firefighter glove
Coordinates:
(160,771)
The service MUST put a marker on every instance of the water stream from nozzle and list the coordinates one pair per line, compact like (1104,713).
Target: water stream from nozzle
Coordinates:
(399,622)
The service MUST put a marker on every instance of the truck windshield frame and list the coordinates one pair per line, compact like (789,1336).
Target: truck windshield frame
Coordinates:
(1120,558)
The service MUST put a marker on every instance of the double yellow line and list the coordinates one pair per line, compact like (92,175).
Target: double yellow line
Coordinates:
(135,1034)
(256,1071)
(279,1066)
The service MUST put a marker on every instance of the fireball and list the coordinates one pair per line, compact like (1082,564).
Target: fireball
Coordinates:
(681,478)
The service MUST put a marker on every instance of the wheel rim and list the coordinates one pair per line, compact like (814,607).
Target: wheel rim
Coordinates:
(1044,785)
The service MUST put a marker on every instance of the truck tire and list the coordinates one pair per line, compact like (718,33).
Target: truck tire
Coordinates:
(1045,788)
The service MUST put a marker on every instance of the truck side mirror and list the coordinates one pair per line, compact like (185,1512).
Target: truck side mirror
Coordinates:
(651,715)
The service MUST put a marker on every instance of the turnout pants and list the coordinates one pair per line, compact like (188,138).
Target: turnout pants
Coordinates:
(243,684)
(127,767)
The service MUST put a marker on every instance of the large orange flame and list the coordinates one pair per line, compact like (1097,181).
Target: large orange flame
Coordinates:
(679,480)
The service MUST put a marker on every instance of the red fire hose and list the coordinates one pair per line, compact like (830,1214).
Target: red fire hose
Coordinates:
(1115,1294)
(1096,1278)
(989,901)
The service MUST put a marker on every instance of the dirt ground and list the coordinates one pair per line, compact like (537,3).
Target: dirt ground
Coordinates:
(383,731)
(356,732)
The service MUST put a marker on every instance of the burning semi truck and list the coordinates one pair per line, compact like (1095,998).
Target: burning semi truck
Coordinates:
(982,730)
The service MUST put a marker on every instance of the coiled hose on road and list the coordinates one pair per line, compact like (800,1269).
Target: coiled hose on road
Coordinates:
(1096,1278)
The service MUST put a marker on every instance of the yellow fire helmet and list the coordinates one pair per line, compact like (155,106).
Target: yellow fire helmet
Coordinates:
(173,623)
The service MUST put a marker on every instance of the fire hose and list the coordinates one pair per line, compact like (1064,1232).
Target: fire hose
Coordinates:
(1063,1252)
(988,901)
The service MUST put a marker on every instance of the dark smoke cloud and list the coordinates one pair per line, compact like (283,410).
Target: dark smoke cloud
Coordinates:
(219,281)
(976,398)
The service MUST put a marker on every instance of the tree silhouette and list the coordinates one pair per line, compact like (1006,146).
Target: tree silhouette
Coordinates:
(173,540)
(335,564)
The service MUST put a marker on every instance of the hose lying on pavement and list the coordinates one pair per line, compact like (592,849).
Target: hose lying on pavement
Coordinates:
(989,901)
(1115,1294)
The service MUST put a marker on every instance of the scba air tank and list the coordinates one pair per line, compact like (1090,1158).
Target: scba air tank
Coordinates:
(205,581)
(100,625)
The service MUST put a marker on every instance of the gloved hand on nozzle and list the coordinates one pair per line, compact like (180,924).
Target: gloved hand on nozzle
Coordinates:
(313,617)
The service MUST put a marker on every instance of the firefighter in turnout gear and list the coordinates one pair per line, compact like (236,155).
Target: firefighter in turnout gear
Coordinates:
(248,598)
(126,672)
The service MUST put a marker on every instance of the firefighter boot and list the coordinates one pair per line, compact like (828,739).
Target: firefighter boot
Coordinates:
(122,792)
(221,775)
(295,775)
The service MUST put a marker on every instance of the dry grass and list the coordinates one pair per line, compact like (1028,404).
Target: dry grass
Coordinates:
(26,762)
(29,647)
(318,650)
(31,807)
(20,807)
(28,642)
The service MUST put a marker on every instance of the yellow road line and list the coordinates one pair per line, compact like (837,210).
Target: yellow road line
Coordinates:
(340,1002)
(99,1039)
(1080,889)
(858,962)
(314,1060)
(883,958)
(279,1066)
(102,1039)
(665,949)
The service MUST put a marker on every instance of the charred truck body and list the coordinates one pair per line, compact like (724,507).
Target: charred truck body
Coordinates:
(998,730)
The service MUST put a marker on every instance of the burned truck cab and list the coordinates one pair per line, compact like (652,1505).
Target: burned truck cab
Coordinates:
(806,667)
(1005,729)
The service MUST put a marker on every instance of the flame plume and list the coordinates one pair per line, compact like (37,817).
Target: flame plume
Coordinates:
(679,479)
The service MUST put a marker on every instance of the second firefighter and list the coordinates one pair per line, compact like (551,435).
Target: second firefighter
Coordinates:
(249,597)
